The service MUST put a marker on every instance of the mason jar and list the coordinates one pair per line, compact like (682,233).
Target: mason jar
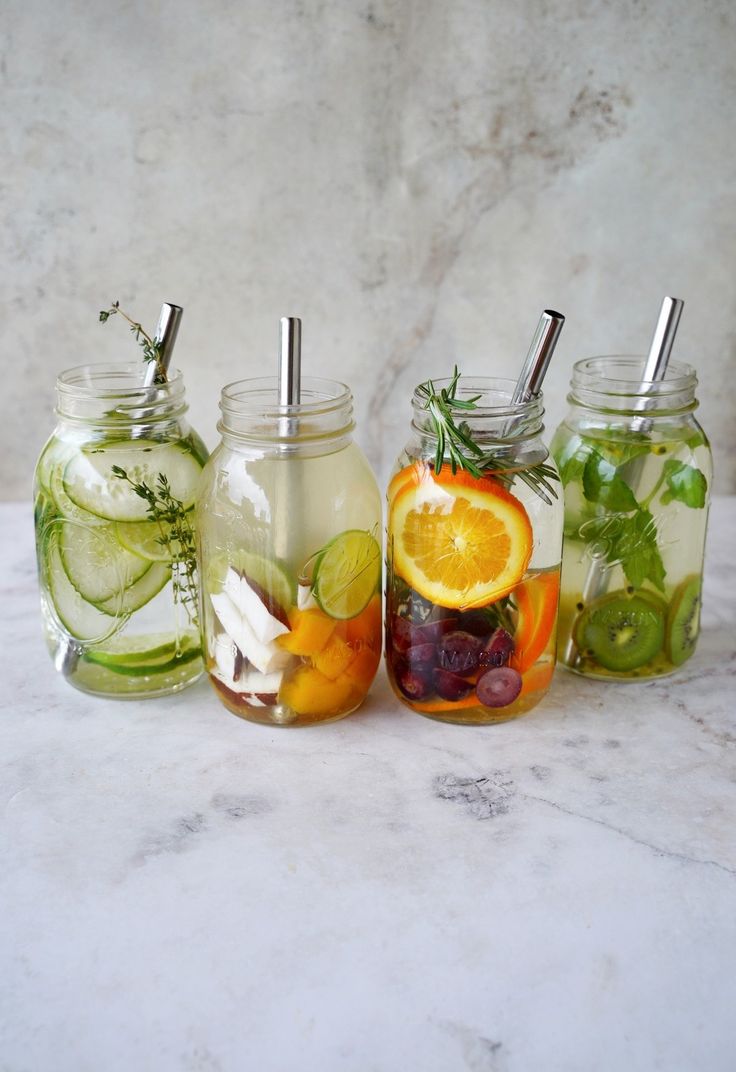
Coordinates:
(636,468)
(289,527)
(114,493)
(473,560)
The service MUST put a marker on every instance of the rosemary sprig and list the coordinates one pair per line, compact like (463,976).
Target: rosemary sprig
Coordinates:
(175,535)
(151,349)
(455,439)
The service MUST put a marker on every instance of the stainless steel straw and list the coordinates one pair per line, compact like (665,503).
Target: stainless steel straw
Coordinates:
(290,389)
(655,367)
(540,353)
(165,339)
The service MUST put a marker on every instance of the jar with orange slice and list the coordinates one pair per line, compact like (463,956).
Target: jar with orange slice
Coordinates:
(290,559)
(473,555)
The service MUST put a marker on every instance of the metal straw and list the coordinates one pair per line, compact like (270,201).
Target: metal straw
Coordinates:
(655,368)
(540,353)
(290,361)
(165,339)
(289,388)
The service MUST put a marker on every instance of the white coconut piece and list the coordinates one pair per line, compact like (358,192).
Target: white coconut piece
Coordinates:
(264,625)
(224,651)
(265,657)
(305,597)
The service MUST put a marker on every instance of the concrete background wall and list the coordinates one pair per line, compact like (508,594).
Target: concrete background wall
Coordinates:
(415,179)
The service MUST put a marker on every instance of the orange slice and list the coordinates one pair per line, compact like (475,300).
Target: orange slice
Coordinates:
(458,541)
(536,600)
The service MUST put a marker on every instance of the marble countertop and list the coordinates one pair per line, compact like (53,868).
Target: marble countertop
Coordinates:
(184,891)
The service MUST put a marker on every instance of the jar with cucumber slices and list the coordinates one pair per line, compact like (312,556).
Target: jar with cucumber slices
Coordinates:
(288,525)
(114,494)
(636,468)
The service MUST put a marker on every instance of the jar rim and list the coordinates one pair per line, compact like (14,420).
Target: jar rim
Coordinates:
(501,386)
(259,396)
(621,375)
(85,381)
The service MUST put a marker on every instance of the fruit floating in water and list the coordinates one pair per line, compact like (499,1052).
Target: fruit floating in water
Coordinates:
(622,632)
(683,620)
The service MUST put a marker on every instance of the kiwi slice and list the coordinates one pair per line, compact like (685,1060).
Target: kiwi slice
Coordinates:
(622,632)
(683,620)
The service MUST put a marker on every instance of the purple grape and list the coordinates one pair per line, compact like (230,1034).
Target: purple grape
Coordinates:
(406,634)
(421,655)
(477,622)
(458,653)
(450,686)
(415,686)
(498,687)
(498,649)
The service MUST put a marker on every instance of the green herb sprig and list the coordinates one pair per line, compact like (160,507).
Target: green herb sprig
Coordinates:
(624,528)
(149,346)
(176,536)
(455,440)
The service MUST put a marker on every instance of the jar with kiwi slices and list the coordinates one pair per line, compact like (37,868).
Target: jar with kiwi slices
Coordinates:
(636,469)
(290,514)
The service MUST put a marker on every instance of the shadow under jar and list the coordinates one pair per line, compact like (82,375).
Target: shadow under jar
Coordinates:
(473,564)
(636,468)
(117,567)
(288,527)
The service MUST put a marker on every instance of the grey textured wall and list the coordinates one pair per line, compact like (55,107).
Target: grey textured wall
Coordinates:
(415,179)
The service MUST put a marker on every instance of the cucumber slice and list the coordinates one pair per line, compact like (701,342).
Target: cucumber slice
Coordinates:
(78,617)
(268,573)
(150,584)
(64,504)
(96,564)
(146,655)
(90,482)
(144,538)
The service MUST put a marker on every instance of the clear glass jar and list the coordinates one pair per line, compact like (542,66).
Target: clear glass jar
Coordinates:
(473,563)
(117,569)
(636,467)
(288,527)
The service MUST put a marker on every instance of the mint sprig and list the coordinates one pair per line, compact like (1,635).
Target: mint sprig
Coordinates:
(632,541)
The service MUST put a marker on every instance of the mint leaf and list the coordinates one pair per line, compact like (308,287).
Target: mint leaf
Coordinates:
(634,545)
(684,483)
(602,484)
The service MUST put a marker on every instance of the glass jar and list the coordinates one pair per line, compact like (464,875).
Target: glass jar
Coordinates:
(636,467)
(473,562)
(288,527)
(114,492)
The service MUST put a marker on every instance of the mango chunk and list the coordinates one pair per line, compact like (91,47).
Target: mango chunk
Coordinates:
(335,657)
(309,692)
(310,631)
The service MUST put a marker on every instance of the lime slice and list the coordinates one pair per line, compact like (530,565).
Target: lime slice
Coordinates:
(269,574)
(347,573)
(146,655)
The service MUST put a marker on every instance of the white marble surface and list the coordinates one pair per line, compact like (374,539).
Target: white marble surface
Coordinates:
(416,179)
(182,891)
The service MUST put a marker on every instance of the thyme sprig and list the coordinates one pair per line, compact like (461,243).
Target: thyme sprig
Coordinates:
(176,536)
(455,442)
(151,349)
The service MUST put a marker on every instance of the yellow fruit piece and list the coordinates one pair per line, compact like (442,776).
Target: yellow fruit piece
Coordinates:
(363,668)
(459,541)
(365,628)
(310,631)
(335,657)
(308,692)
